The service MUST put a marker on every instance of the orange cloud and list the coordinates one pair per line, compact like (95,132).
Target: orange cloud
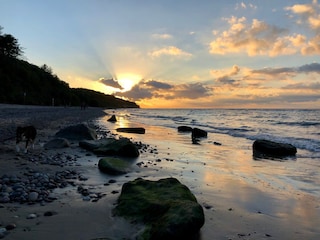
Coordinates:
(255,38)
(170,51)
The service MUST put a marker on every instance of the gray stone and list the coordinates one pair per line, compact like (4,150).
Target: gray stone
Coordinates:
(113,165)
(122,147)
(33,196)
(77,132)
(57,143)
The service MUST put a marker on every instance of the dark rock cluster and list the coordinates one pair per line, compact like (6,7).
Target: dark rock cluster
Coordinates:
(33,186)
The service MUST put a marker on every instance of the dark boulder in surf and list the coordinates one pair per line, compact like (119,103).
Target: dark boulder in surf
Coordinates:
(138,130)
(198,133)
(184,129)
(167,208)
(262,147)
(112,119)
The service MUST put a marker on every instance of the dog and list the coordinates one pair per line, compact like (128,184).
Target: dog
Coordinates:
(27,134)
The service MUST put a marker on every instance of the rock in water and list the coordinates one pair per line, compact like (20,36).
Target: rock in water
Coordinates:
(184,129)
(113,165)
(77,132)
(265,147)
(112,119)
(138,130)
(199,133)
(167,207)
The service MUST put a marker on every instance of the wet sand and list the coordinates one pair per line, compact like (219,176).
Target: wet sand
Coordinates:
(235,206)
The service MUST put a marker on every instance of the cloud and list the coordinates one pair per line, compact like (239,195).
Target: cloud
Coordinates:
(170,51)
(157,84)
(226,76)
(163,36)
(255,38)
(110,83)
(260,38)
(308,12)
(156,89)
(306,86)
(242,5)
(190,91)
(274,71)
(307,68)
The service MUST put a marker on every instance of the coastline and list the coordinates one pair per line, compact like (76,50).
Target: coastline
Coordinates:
(233,209)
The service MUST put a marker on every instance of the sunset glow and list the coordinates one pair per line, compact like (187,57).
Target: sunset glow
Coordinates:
(162,54)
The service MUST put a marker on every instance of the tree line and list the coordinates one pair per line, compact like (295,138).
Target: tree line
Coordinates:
(24,83)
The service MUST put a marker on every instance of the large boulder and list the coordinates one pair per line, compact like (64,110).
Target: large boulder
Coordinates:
(262,147)
(184,129)
(198,133)
(138,130)
(122,147)
(112,119)
(57,143)
(113,165)
(77,132)
(167,208)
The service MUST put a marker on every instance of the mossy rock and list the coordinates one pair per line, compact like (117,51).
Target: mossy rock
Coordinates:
(113,165)
(167,207)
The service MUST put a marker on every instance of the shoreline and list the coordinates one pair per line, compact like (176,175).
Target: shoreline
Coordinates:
(229,211)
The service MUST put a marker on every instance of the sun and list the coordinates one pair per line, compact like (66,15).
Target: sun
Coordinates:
(127,81)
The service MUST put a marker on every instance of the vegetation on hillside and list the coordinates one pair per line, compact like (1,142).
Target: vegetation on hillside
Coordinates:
(25,83)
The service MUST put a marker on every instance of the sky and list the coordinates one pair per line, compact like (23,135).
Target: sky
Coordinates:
(177,53)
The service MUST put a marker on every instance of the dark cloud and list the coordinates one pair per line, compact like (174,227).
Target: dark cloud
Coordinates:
(283,99)
(311,86)
(274,71)
(111,83)
(154,89)
(227,80)
(138,92)
(190,91)
(157,84)
(307,68)
(313,67)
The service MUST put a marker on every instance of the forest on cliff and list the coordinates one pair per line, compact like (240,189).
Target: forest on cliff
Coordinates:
(24,83)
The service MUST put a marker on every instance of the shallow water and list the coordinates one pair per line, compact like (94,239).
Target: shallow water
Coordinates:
(284,194)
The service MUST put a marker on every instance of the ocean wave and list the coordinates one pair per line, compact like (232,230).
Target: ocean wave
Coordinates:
(302,124)
(248,124)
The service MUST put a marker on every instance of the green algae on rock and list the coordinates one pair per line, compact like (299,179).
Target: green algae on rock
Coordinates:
(114,166)
(167,208)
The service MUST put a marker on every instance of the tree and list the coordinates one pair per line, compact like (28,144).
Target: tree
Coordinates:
(9,46)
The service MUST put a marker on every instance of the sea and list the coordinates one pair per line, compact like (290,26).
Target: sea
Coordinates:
(222,168)
(301,128)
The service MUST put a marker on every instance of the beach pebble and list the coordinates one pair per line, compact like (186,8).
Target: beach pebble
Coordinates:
(33,196)
(32,216)
(11,226)
(49,213)
(3,232)
(112,181)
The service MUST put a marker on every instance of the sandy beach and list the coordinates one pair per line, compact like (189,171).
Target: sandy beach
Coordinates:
(233,209)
